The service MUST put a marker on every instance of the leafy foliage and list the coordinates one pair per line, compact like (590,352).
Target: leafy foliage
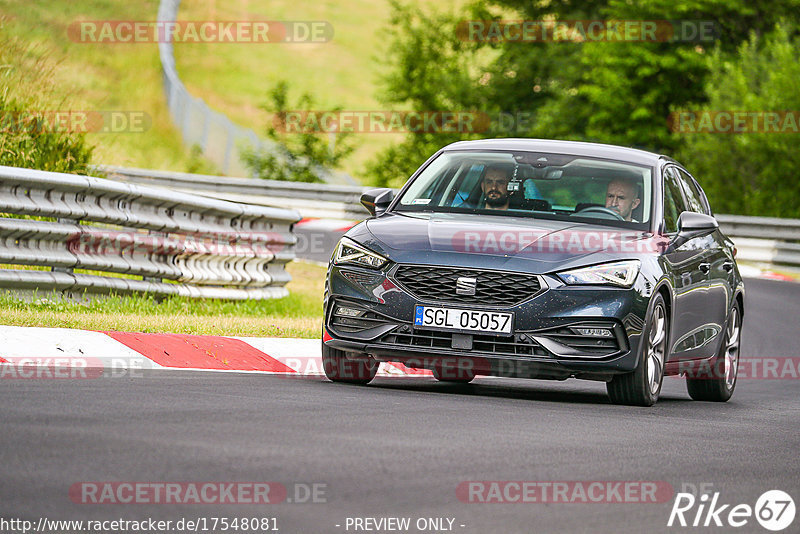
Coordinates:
(613,92)
(297,157)
(752,173)
(29,137)
(433,70)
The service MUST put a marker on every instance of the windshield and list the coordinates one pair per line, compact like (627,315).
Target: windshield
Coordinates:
(528,184)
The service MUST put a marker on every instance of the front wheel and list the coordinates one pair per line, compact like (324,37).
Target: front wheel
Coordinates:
(338,368)
(720,385)
(643,386)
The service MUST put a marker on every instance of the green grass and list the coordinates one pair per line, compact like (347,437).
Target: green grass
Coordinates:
(298,315)
(234,78)
(231,78)
(91,77)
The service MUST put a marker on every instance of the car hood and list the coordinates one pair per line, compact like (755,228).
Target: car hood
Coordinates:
(494,241)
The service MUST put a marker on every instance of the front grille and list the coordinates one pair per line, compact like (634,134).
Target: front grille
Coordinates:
(487,344)
(492,288)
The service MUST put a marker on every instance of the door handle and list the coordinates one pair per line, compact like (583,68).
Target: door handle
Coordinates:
(705,267)
(728,266)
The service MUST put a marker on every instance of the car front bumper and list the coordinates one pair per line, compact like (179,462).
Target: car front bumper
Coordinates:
(543,344)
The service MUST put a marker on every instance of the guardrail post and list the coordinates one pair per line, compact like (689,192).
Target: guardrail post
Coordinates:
(157,234)
(67,270)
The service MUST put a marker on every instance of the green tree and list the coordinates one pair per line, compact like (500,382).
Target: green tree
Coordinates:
(301,156)
(622,92)
(752,173)
(615,92)
(432,70)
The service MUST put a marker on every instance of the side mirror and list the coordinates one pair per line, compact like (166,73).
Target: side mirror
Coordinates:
(691,222)
(377,200)
(691,225)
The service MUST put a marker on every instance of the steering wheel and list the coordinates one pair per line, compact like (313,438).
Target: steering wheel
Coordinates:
(600,210)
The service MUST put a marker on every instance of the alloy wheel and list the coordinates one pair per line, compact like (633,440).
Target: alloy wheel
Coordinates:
(656,345)
(732,348)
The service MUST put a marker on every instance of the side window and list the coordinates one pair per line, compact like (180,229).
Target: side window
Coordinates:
(694,197)
(463,183)
(673,201)
(693,191)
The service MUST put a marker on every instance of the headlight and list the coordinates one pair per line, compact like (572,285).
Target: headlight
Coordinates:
(350,252)
(619,273)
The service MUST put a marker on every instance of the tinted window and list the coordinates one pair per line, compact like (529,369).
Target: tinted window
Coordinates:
(673,201)
(694,196)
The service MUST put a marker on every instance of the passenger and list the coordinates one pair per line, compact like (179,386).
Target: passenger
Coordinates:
(495,187)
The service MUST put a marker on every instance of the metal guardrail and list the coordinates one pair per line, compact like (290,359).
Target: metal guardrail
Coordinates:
(760,227)
(768,251)
(312,200)
(161,242)
(220,140)
(763,239)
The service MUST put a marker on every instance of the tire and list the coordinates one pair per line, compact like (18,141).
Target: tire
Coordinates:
(643,386)
(720,385)
(338,368)
(452,374)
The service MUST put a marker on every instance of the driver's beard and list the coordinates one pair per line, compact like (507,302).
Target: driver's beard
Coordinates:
(498,202)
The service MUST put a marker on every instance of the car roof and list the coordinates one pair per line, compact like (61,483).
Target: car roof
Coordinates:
(579,148)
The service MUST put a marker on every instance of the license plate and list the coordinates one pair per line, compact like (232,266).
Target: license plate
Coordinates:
(472,320)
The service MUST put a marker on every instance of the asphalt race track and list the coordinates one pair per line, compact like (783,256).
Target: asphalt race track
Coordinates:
(400,447)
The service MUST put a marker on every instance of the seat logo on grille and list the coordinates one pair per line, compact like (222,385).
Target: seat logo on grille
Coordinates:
(466,286)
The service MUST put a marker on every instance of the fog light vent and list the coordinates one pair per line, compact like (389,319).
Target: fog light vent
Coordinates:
(347,312)
(594,332)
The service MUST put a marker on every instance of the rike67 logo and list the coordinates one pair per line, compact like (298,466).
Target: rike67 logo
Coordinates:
(774,510)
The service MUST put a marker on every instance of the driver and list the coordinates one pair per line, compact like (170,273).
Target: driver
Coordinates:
(622,196)
(495,187)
